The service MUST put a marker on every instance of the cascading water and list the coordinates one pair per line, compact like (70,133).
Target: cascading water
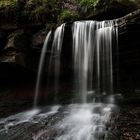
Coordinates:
(41,64)
(83,39)
(92,54)
(56,54)
(92,58)
(93,77)
(93,68)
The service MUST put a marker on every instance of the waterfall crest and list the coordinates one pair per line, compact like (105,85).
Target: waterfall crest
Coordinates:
(92,57)
(56,54)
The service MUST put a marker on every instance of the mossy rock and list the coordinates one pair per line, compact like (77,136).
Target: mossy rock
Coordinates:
(31,4)
(89,3)
(39,14)
(67,16)
(106,9)
(23,11)
(38,39)
(18,40)
(107,3)
(4,3)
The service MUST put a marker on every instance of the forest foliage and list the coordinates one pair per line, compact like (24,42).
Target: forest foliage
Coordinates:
(55,11)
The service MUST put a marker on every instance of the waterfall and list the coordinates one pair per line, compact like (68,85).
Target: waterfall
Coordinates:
(92,61)
(40,67)
(83,39)
(93,75)
(55,53)
(92,57)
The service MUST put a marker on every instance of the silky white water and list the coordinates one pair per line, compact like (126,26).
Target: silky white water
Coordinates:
(72,122)
(92,56)
(56,54)
(93,77)
(41,64)
(92,59)
(86,119)
(86,122)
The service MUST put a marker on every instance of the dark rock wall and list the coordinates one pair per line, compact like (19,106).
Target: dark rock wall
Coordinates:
(22,37)
(129,58)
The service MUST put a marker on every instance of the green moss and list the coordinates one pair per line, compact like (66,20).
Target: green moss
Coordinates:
(30,4)
(45,2)
(67,15)
(19,40)
(14,34)
(39,10)
(38,14)
(89,3)
(7,3)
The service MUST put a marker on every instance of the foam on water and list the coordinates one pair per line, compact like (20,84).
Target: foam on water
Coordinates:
(85,122)
(89,121)
(82,122)
(31,116)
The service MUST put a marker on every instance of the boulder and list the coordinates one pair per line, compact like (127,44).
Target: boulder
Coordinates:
(18,40)
(38,39)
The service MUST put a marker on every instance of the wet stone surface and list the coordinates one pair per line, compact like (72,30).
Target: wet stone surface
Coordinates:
(129,122)
(71,122)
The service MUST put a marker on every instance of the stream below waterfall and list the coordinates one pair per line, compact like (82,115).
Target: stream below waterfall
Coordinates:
(93,121)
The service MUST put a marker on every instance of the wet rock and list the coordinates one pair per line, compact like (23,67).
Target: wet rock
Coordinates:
(8,57)
(107,8)
(3,39)
(38,39)
(17,53)
(128,122)
(18,40)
